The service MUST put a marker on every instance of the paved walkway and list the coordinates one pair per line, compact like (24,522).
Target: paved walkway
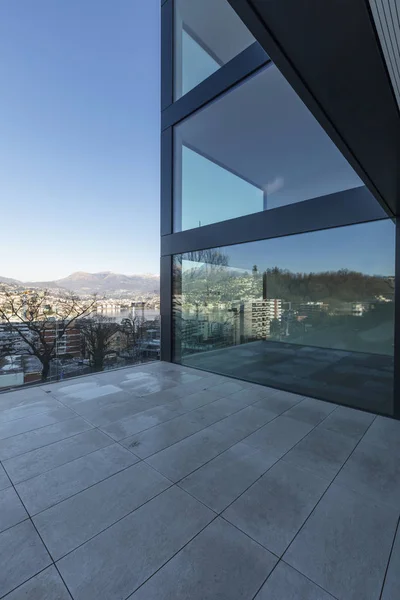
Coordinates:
(161,482)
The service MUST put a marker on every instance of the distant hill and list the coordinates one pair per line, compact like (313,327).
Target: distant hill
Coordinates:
(103,282)
(10,281)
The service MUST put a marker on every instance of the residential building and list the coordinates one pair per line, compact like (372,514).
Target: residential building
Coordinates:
(69,343)
(258,315)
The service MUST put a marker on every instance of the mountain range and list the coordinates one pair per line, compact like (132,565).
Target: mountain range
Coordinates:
(103,282)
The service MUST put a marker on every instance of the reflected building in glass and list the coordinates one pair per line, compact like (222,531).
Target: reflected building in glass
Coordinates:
(278,261)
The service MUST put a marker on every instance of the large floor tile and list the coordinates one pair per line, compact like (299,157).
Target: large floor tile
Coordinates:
(47,585)
(180,377)
(184,390)
(385,433)
(4,480)
(184,457)
(344,546)
(223,479)
(84,391)
(31,464)
(28,409)
(51,487)
(111,409)
(117,561)
(228,387)
(311,411)
(279,401)
(17,426)
(69,524)
(68,384)
(276,506)
(21,396)
(244,422)
(22,555)
(287,584)
(348,421)
(221,562)
(139,422)
(157,438)
(392,582)
(373,472)
(145,383)
(211,413)
(253,393)
(198,399)
(114,396)
(25,442)
(280,435)
(322,451)
(11,509)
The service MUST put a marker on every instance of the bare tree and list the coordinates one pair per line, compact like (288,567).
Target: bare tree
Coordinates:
(97,336)
(209,256)
(41,321)
(133,330)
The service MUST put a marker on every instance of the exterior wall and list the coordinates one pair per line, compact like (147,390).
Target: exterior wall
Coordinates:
(249,318)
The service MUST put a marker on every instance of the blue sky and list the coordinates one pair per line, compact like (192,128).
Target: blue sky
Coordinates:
(79,137)
(367,247)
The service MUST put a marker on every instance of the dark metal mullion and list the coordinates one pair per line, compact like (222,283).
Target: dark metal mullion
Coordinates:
(229,75)
(166,187)
(166,307)
(167,54)
(334,210)
(396,392)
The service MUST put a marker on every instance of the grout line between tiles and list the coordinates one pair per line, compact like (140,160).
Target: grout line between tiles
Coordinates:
(26,518)
(57,466)
(40,426)
(40,537)
(167,561)
(111,524)
(397,532)
(242,440)
(325,492)
(29,579)
(83,490)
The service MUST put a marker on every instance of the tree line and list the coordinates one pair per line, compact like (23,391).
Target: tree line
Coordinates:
(331,287)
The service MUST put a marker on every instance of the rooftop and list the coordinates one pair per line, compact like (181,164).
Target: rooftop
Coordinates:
(161,481)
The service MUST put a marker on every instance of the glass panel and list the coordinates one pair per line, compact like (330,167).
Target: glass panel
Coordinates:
(310,313)
(257,147)
(208,34)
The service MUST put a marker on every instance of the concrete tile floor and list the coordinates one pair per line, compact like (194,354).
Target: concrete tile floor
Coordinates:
(161,481)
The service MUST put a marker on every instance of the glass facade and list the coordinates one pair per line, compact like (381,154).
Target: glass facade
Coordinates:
(204,44)
(277,262)
(257,147)
(312,313)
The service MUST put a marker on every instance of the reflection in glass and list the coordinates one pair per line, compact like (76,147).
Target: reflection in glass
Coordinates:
(204,44)
(311,313)
(257,147)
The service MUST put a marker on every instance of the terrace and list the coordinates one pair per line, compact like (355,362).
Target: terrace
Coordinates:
(162,481)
